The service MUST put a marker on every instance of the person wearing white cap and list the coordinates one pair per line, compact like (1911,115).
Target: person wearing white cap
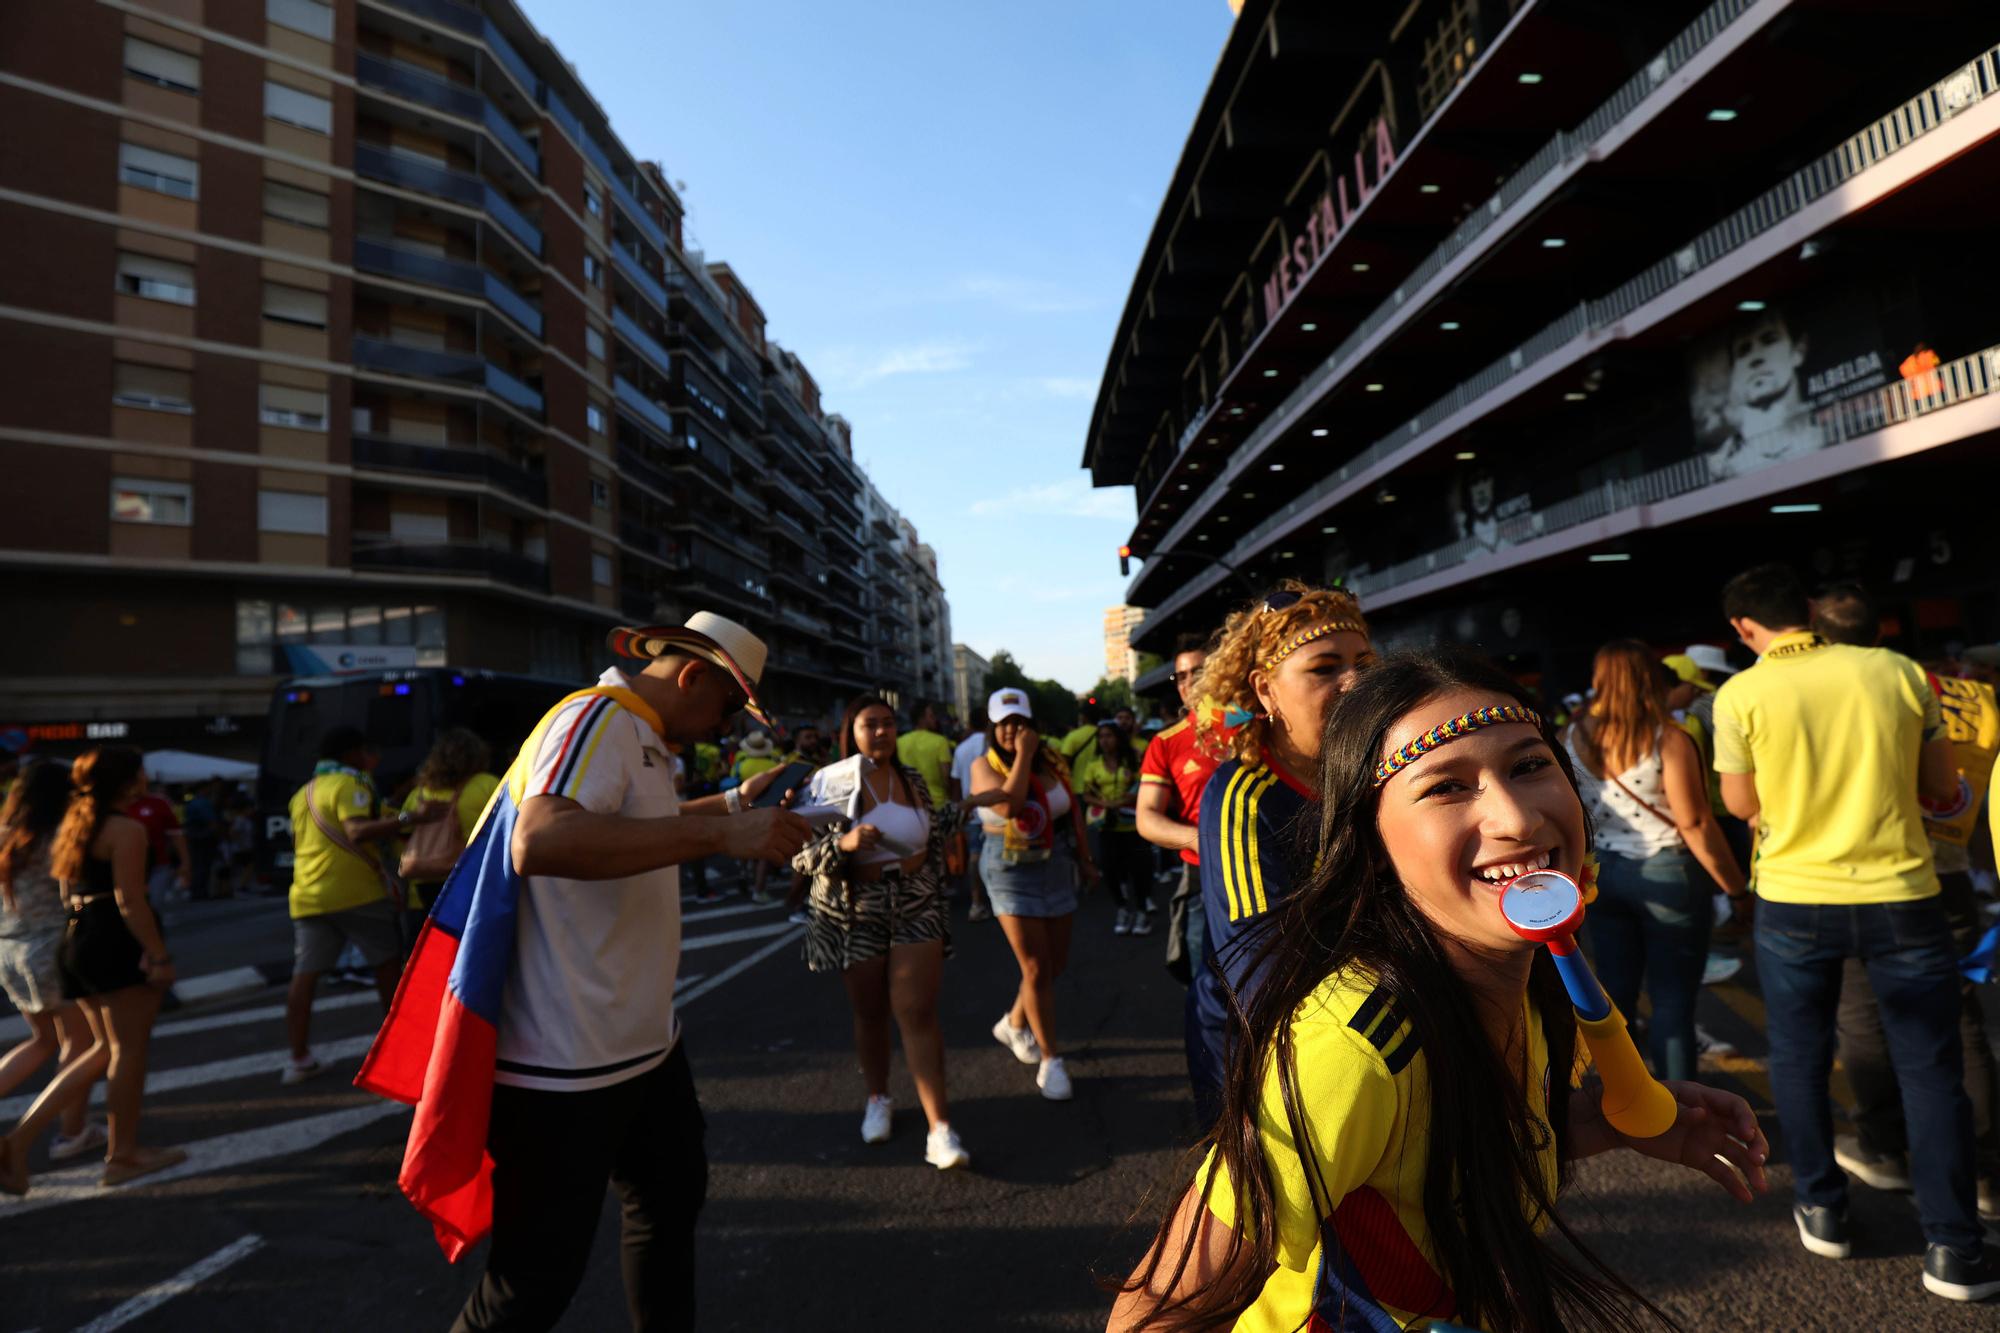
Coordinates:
(1026,870)
(592,1078)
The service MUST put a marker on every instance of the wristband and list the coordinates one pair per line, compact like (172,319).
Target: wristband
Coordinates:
(732,800)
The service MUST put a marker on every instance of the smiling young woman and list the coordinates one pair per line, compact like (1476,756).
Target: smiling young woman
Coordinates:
(1392,1144)
(1278,667)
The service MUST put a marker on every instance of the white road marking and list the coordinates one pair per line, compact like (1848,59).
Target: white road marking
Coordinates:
(152,1298)
(13,1029)
(257,1065)
(205,1156)
(738,967)
(738,910)
(690,944)
(680,982)
(232,981)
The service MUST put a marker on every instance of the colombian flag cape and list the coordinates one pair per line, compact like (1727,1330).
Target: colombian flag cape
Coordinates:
(436,1048)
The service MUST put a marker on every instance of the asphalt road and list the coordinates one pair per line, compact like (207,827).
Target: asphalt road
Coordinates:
(287,1215)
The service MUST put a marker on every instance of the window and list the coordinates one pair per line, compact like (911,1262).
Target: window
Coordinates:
(694,441)
(293,107)
(295,305)
(593,416)
(593,270)
(593,341)
(155,279)
(287,511)
(152,387)
(156,64)
(288,203)
(419,527)
(300,409)
(1448,53)
(151,169)
(307,16)
(600,492)
(593,200)
(145,500)
(600,569)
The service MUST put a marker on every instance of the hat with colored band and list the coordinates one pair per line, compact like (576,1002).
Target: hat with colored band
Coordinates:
(1463,725)
(1306,636)
(712,638)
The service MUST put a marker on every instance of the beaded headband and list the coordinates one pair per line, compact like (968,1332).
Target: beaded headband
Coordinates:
(1306,636)
(1451,731)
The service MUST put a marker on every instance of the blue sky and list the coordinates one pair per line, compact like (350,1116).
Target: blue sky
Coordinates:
(941,208)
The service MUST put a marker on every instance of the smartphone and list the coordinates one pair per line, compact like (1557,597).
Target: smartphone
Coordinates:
(792,778)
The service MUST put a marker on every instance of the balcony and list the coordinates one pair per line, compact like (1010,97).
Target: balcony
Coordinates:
(641,342)
(419,86)
(802,620)
(791,490)
(747,397)
(376,550)
(644,408)
(378,163)
(628,264)
(373,256)
(463,464)
(465,368)
(638,467)
(785,524)
(651,542)
(844,535)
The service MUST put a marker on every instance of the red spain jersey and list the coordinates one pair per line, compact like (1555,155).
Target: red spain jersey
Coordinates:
(1175,761)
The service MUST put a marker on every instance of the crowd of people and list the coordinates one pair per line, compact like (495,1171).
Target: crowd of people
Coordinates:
(1385,1076)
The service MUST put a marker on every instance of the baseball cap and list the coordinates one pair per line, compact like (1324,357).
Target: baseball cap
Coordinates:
(1688,670)
(1710,658)
(710,637)
(1007,703)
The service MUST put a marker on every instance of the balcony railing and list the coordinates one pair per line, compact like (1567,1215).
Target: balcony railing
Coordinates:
(467,464)
(798,531)
(376,256)
(641,342)
(791,490)
(1968,377)
(509,136)
(420,86)
(721,371)
(649,540)
(376,550)
(644,470)
(628,264)
(639,405)
(378,163)
(459,367)
(1818,178)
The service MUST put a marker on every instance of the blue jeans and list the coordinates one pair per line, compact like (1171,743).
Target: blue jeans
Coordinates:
(1650,924)
(1911,962)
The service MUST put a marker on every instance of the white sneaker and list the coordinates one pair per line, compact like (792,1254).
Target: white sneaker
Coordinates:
(65,1147)
(1021,1041)
(1719,968)
(875,1120)
(1124,924)
(1707,1043)
(1142,924)
(299,1071)
(943,1150)
(1053,1079)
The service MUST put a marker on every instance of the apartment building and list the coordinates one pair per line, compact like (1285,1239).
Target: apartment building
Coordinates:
(1120,660)
(350,334)
(968,684)
(1530,321)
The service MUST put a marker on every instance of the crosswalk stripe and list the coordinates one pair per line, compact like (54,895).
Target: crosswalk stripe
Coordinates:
(739,967)
(206,1157)
(256,1065)
(14,1028)
(694,942)
(153,1297)
(739,909)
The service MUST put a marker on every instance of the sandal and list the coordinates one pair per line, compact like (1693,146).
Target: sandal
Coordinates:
(13,1169)
(118,1170)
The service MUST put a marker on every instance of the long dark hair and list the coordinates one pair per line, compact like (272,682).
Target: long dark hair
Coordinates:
(101,778)
(856,706)
(1483,1186)
(33,812)
(1122,751)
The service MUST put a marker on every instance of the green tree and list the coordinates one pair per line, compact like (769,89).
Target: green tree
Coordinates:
(1112,693)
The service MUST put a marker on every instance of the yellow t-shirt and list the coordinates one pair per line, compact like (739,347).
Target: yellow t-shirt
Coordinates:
(1365,1093)
(469,805)
(326,878)
(930,754)
(749,766)
(1832,733)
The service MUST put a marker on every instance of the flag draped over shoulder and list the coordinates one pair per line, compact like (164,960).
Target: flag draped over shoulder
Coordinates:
(436,1049)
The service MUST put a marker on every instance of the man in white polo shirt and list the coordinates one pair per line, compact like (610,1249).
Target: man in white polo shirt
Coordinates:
(592,1079)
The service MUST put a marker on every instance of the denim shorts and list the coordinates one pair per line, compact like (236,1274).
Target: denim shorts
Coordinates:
(1028,888)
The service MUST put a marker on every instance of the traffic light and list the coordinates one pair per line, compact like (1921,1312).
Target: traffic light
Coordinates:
(1125,562)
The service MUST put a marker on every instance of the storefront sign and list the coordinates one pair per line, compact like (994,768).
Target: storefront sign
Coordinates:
(1328,217)
(318,659)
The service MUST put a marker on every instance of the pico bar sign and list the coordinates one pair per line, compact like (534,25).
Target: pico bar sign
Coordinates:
(1328,217)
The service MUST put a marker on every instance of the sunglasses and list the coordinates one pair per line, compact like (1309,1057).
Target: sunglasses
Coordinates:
(1282,599)
(1182,676)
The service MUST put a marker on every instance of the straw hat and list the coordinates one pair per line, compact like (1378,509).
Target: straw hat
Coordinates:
(708,636)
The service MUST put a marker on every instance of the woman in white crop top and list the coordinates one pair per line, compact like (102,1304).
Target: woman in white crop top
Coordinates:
(1642,783)
(878,917)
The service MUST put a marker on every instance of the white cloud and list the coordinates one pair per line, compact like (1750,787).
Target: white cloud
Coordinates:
(1069,386)
(1072,497)
(1029,296)
(854,368)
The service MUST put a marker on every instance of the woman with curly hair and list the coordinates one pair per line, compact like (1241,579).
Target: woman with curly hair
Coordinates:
(455,775)
(1025,865)
(1279,665)
(1398,1117)
(114,963)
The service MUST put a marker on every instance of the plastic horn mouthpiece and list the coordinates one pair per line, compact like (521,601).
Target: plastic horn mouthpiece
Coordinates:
(1547,906)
